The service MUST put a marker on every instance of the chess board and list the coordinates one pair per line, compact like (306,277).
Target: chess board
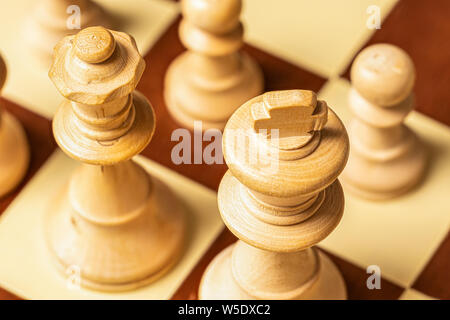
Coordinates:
(299,44)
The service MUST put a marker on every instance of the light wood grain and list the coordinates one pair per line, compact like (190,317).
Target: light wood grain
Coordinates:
(209,81)
(280,211)
(119,226)
(387,159)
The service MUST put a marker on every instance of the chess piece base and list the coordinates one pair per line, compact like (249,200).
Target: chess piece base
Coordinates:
(218,282)
(125,254)
(381,180)
(209,101)
(14,153)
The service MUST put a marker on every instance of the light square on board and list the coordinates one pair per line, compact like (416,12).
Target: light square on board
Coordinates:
(435,277)
(321,36)
(402,234)
(27,268)
(411,294)
(28,84)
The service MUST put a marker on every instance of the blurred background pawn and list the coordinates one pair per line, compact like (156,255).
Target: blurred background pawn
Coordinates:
(386,157)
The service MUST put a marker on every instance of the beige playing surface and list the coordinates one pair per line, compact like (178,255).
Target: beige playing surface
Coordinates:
(28,83)
(323,39)
(411,294)
(399,235)
(27,269)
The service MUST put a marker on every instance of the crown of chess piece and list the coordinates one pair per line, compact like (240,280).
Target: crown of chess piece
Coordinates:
(386,157)
(121,227)
(14,152)
(280,197)
(212,79)
(51,20)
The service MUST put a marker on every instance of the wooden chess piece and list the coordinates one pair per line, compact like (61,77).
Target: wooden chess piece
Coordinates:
(51,20)
(281,196)
(14,152)
(386,157)
(210,80)
(119,226)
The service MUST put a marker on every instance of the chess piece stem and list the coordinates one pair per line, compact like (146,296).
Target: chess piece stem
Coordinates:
(14,151)
(386,158)
(280,204)
(210,80)
(121,227)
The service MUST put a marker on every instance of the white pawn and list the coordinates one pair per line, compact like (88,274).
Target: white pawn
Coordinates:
(14,152)
(212,79)
(386,158)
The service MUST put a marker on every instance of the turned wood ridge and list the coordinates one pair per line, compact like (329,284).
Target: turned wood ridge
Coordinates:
(119,226)
(279,211)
